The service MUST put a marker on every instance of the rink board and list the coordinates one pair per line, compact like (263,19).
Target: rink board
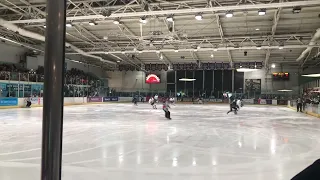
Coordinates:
(197,143)
(37,102)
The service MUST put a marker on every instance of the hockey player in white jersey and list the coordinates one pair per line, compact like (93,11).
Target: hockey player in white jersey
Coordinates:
(152,102)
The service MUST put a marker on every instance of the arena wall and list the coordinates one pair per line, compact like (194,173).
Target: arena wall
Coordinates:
(268,85)
(310,109)
(10,53)
(36,61)
(130,81)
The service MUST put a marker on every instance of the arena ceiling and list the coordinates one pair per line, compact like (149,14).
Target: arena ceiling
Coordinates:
(110,32)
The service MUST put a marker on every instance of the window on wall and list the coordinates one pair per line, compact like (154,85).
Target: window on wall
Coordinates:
(198,75)
(238,81)
(189,84)
(227,80)
(171,89)
(180,84)
(170,77)
(217,83)
(208,83)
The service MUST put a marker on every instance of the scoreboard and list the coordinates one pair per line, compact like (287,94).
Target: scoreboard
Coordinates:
(280,76)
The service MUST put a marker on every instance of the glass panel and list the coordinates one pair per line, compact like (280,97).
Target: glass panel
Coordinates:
(227,80)
(217,83)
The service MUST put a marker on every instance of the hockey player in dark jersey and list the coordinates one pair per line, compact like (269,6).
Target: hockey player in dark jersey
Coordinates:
(135,101)
(165,108)
(233,105)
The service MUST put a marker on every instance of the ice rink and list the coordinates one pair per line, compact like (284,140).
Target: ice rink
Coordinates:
(201,142)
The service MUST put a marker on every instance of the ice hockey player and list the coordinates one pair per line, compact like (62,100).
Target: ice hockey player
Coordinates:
(165,108)
(233,105)
(156,98)
(239,103)
(299,105)
(151,101)
(200,101)
(135,100)
(171,100)
(28,100)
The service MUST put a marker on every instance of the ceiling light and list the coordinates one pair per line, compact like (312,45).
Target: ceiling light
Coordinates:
(245,70)
(69,25)
(170,19)
(195,50)
(92,23)
(281,47)
(259,47)
(140,52)
(123,52)
(186,79)
(212,55)
(106,52)
(198,17)
(44,26)
(161,57)
(257,29)
(311,75)
(285,90)
(176,50)
(116,21)
(262,12)
(105,37)
(296,10)
(273,65)
(134,49)
(143,20)
(215,49)
(229,14)
(118,61)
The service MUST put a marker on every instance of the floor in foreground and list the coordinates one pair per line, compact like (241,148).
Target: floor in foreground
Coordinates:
(201,142)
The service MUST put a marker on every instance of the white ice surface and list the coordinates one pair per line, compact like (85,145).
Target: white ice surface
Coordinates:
(201,142)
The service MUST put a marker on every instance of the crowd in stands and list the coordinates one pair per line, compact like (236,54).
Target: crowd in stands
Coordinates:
(311,95)
(77,82)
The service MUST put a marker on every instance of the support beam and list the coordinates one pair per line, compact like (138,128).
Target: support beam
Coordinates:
(273,33)
(275,22)
(52,126)
(313,42)
(40,37)
(230,58)
(187,11)
(222,37)
(33,7)
(266,61)
(91,9)
(205,49)
(12,9)
(167,59)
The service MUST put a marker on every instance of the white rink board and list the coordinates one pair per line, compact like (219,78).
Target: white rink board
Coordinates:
(39,101)
(125,142)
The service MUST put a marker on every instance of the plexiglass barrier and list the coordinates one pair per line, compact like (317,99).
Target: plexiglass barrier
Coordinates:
(13,84)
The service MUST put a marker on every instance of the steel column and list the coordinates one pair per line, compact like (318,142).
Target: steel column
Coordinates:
(53,90)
